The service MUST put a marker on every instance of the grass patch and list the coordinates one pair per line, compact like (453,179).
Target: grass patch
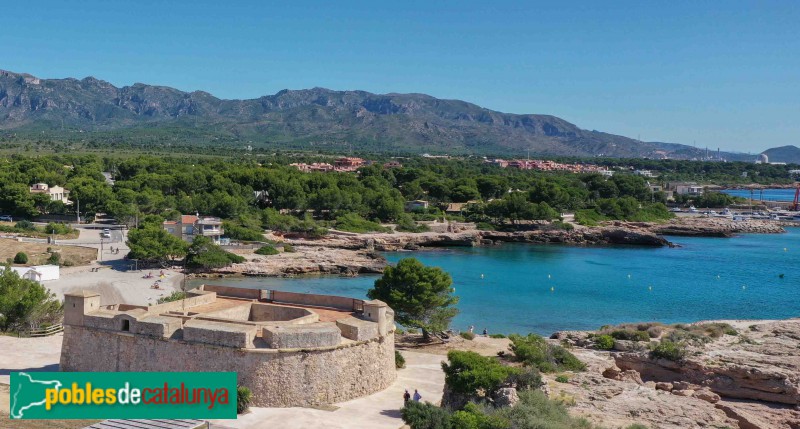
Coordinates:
(38,252)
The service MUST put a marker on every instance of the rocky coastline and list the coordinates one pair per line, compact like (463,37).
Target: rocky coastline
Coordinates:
(351,254)
(746,380)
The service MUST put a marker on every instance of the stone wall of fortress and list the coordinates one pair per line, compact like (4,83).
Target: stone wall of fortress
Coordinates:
(277,377)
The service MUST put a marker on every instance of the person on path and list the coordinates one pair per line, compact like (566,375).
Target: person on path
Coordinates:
(485,332)
(406,397)
(471,328)
(417,396)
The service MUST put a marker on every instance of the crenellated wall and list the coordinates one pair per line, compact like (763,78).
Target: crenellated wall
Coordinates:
(278,378)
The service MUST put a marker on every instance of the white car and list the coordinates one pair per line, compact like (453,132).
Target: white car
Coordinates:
(105,234)
(675,210)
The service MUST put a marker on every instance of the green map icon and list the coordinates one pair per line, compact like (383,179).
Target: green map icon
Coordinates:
(28,392)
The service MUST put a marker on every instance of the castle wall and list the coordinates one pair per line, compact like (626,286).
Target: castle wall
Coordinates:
(284,378)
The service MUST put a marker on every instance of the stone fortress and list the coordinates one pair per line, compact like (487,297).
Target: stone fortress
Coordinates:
(290,349)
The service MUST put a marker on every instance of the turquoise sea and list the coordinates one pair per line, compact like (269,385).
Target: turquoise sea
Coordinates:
(763,195)
(546,288)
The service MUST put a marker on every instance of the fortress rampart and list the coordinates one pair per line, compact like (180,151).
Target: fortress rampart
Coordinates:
(290,349)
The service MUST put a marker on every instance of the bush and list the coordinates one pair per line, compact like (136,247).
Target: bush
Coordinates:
(21,258)
(630,335)
(25,225)
(406,223)
(535,411)
(497,336)
(399,360)
(535,351)
(54,258)
(352,222)
(419,415)
(485,226)
(604,342)
(58,229)
(244,397)
(562,379)
(468,372)
(288,248)
(174,296)
(669,350)
(467,335)
(654,331)
(238,232)
(266,250)
(528,378)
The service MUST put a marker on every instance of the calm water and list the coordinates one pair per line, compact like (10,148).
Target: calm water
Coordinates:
(765,195)
(542,289)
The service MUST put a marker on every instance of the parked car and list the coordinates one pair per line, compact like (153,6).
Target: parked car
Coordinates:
(105,234)
(6,218)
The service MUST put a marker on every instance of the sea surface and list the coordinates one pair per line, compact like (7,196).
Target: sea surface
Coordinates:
(545,288)
(763,195)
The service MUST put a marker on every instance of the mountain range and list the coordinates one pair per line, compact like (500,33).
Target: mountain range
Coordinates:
(308,118)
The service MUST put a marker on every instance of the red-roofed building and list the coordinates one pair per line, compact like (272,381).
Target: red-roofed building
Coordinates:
(190,226)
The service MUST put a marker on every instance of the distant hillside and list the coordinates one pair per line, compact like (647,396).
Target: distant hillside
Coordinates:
(788,154)
(303,118)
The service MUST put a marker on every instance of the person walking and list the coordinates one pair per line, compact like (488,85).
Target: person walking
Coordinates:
(406,397)
(471,328)
(417,396)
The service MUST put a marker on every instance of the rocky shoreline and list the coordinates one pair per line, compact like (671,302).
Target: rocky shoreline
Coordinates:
(750,380)
(350,254)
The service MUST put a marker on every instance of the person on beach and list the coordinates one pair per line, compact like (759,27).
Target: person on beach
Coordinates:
(485,332)
(471,328)
(417,396)
(406,397)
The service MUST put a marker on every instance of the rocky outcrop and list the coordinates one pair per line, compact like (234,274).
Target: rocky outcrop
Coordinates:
(309,260)
(749,381)
(715,227)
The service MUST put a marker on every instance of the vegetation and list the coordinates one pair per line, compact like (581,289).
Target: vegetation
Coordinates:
(420,296)
(399,360)
(25,304)
(468,372)
(670,350)
(630,335)
(151,243)
(497,336)
(533,411)
(174,296)
(267,250)
(21,258)
(203,253)
(244,397)
(604,342)
(535,351)
(352,222)
(467,335)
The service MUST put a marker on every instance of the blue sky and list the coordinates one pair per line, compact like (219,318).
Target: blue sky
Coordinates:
(721,74)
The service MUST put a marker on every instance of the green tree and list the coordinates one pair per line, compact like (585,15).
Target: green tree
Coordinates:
(422,297)
(25,303)
(21,258)
(203,253)
(152,243)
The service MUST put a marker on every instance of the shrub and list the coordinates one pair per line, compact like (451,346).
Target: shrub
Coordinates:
(352,222)
(406,223)
(630,335)
(497,336)
(399,360)
(288,248)
(57,228)
(21,258)
(654,331)
(535,411)
(467,372)
(266,250)
(174,296)
(54,258)
(474,417)
(238,232)
(669,350)
(604,342)
(484,226)
(244,397)
(535,351)
(413,331)
(25,225)
(419,415)
(562,379)
(528,378)
(467,335)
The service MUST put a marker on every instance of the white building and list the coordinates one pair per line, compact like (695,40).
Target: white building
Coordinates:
(56,193)
(39,273)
